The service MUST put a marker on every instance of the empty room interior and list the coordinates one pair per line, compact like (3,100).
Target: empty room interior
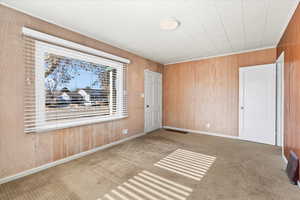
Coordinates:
(149,100)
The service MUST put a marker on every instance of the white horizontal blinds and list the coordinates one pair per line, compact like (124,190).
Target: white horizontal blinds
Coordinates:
(65,87)
(29,89)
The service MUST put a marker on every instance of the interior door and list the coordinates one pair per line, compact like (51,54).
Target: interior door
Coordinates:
(153,101)
(258,103)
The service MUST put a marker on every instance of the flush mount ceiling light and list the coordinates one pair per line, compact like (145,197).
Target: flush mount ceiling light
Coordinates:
(169,24)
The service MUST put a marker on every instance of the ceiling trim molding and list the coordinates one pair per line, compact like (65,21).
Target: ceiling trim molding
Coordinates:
(220,55)
(76,31)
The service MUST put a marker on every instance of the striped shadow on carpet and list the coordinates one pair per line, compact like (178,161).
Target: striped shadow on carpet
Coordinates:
(147,185)
(187,163)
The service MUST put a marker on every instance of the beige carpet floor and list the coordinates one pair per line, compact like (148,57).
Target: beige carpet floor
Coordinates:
(242,170)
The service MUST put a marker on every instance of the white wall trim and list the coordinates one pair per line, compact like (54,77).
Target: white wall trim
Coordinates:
(279,60)
(56,40)
(64,160)
(202,132)
(220,55)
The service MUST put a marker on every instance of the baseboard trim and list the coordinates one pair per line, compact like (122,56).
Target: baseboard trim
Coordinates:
(202,132)
(64,160)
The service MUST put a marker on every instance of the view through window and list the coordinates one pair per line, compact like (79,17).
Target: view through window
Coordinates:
(78,87)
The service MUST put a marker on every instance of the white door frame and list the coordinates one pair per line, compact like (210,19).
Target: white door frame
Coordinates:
(280,100)
(145,101)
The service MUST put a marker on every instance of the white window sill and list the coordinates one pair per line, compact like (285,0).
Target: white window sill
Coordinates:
(76,122)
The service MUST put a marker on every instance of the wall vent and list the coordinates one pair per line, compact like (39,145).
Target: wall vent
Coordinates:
(177,131)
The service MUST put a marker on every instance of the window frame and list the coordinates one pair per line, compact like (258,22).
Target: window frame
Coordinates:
(41,48)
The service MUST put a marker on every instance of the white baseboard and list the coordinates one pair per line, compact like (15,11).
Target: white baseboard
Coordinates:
(64,160)
(202,132)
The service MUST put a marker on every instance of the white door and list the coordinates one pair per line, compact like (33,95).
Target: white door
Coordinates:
(153,101)
(258,103)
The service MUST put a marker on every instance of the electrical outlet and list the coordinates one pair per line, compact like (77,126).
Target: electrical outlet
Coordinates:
(207,125)
(125,131)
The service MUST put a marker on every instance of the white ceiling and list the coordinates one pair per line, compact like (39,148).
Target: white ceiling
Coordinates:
(208,27)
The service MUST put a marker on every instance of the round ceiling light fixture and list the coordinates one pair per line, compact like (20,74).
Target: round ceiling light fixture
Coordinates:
(169,24)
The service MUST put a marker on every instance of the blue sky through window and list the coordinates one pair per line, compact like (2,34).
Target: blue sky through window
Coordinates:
(83,80)
(73,74)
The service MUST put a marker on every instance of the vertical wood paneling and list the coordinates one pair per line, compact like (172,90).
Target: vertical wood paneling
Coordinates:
(290,45)
(20,151)
(100,134)
(256,57)
(44,144)
(206,91)
(58,146)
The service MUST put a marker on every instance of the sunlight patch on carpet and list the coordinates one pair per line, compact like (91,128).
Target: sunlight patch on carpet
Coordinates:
(147,185)
(187,163)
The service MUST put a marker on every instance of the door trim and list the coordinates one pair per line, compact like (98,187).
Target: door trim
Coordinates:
(281,59)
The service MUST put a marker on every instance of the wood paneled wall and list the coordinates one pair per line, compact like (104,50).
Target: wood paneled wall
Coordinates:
(290,45)
(20,151)
(206,91)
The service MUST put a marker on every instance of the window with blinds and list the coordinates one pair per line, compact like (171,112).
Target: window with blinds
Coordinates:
(66,87)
